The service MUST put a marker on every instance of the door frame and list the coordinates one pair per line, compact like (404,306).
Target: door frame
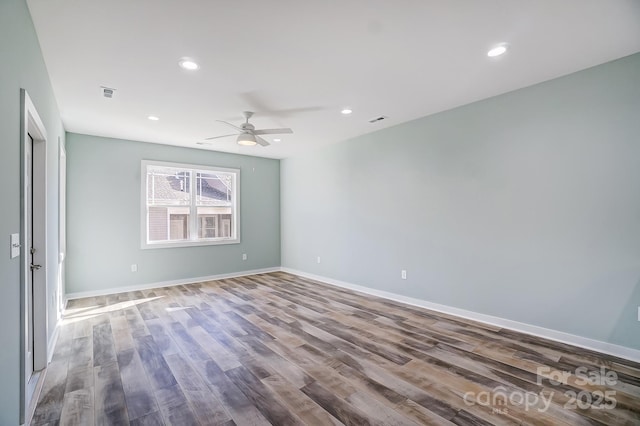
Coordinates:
(62,227)
(31,124)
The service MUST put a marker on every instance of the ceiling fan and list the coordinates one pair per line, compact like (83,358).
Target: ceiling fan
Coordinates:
(247,133)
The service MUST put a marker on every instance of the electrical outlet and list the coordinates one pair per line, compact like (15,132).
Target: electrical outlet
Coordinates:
(318,259)
(244,256)
(403,274)
(134,268)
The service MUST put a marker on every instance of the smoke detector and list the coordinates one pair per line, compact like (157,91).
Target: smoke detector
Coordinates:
(107,92)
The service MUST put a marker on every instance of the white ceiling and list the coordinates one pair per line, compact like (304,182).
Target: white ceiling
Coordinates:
(298,63)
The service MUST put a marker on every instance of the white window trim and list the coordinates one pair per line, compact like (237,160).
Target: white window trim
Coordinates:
(144,244)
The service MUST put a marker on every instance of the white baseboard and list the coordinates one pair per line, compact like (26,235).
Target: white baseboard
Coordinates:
(115,290)
(558,336)
(555,335)
(35,397)
(52,342)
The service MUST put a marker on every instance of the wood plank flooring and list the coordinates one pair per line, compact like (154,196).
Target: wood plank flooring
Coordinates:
(279,349)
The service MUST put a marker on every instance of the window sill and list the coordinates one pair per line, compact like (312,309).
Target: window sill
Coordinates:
(176,244)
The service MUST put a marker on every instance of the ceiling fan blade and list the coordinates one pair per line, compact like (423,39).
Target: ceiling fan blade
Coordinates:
(229,124)
(218,137)
(261,141)
(272,131)
(257,101)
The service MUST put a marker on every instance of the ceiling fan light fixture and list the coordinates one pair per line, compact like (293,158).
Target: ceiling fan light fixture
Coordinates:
(246,139)
(248,135)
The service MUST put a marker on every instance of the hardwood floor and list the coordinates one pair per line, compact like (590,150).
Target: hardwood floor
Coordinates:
(276,348)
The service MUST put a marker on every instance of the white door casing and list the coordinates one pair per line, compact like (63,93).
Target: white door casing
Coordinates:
(62,226)
(33,218)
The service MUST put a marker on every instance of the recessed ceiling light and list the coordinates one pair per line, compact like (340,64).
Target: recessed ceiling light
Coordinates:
(153,118)
(188,64)
(497,50)
(277,140)
(346,111)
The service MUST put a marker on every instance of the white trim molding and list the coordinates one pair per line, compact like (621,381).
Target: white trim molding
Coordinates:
(194,239)
(33,183)
(115,290)
(52,341)
(534,330)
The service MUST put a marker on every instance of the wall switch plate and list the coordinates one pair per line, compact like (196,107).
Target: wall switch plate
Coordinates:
(244,256)
(14,245)
(638,313)
(403,274)
(318,259)
(134,268)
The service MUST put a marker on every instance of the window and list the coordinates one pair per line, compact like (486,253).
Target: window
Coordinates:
(187,205)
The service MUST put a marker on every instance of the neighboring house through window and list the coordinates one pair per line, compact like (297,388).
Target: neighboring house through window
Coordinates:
(185,205)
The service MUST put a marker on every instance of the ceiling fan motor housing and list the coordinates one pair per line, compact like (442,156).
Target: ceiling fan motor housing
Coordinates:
(248,134)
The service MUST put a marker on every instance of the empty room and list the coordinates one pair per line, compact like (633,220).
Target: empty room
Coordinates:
(320,213)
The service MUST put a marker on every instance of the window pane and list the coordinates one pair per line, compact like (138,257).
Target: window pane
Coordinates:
(225,226)
(179,226)
(214,222)
(158,219)
(168,186)
(214,188)
(175,193)
(168,223)
(207,226)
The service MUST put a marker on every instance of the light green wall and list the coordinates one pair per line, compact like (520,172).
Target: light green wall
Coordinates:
(524,206)
(103,213)
(21,66)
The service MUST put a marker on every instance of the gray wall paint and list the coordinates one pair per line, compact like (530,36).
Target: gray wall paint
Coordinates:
(22,67)
(525,206)
(103,212)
